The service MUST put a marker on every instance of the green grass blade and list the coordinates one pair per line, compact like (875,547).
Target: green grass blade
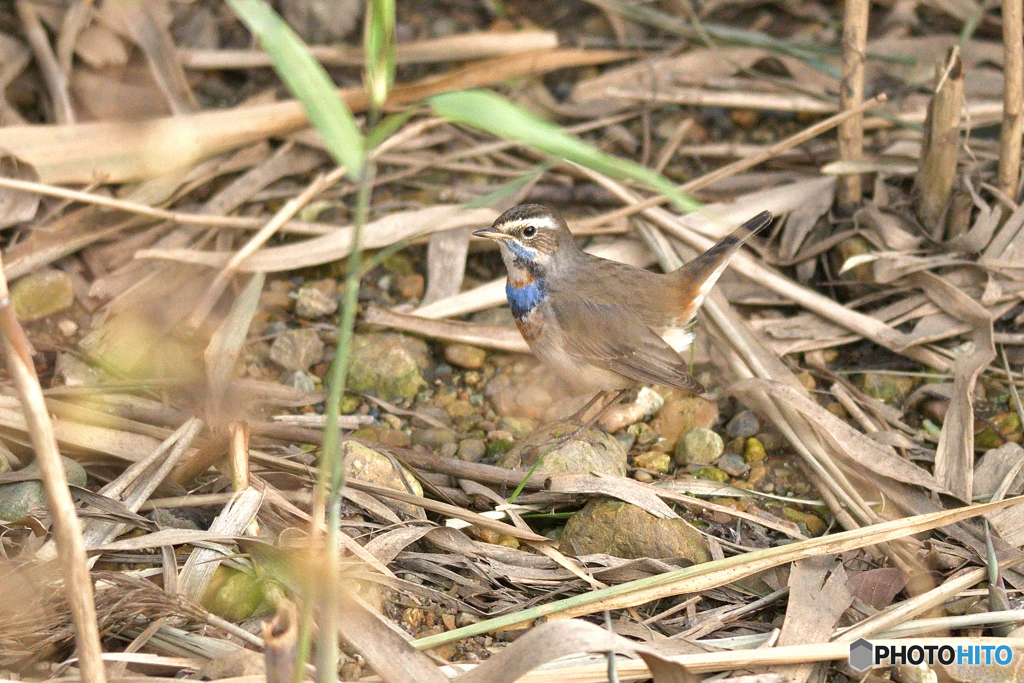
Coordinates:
(307,80)
(486,111)
(379,45)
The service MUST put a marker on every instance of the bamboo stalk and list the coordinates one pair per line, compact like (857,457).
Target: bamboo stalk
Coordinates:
(851,94)
(1013,97)
(67,532)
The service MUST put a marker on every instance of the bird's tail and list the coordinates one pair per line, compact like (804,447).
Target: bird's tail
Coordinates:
(703,272)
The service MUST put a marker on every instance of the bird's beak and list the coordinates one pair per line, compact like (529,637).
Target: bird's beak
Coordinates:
(491,233)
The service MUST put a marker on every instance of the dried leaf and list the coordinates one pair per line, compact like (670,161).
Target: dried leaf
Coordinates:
(16,206)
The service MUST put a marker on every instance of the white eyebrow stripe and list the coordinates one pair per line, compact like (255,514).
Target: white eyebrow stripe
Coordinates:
(546,222)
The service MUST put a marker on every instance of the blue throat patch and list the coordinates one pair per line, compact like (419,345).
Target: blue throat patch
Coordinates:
(524,299)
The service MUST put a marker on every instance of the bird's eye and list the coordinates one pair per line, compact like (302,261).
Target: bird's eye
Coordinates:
(529,231)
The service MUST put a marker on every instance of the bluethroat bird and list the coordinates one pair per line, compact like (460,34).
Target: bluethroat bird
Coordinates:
(602,325)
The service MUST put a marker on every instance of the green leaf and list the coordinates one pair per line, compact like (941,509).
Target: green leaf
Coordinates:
(387,127)
(307,80)
(486,111)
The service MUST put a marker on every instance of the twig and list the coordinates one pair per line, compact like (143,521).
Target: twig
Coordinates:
(851,94)
(737,166)
(1013,97)
(70,546)
(56,80)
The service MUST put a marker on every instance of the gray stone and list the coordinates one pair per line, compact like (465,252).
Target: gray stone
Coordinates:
(743,425)
(313,303)
(627,531)
(592,451)
(733,464)
(42,293)
(297,349)
(699,446)
(387,364)
(18,498)
(300,380)
(449,450)
(472,450)
(434,437)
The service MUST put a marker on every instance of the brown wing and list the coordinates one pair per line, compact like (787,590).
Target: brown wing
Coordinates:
(623,344)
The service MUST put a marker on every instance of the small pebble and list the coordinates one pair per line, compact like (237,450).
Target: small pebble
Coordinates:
(312,303)
(645,436)
(449,450)
(754,450)
(772,441)
(654,461)
(67,327)
(297,349)
(736,445)
(300,380)
(643,476)
(743,425)
(434,438)
(465,356)
(518,427)
(699,446)
(712,474)
(409,286)
(733,464)
(626,440)
(41,293)
(807,380)
(471,450)
(499,435)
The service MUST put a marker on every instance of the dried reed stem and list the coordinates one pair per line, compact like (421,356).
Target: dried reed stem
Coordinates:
(68,534)
(851,94)
(1013,97)
(941,149)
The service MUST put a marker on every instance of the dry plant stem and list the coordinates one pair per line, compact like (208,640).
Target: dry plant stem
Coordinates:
(1013,98)
(280,636)
(735,167)
(54,77)
(70,546)
(75,19)
(941,148)
(238,222)
(286,213)
(851,94)
(463,47)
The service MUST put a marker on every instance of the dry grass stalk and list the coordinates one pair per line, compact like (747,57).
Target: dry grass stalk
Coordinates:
(463,47)
(941,149)
(55,78)
(851,94)
(1013,98)
(68,535)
